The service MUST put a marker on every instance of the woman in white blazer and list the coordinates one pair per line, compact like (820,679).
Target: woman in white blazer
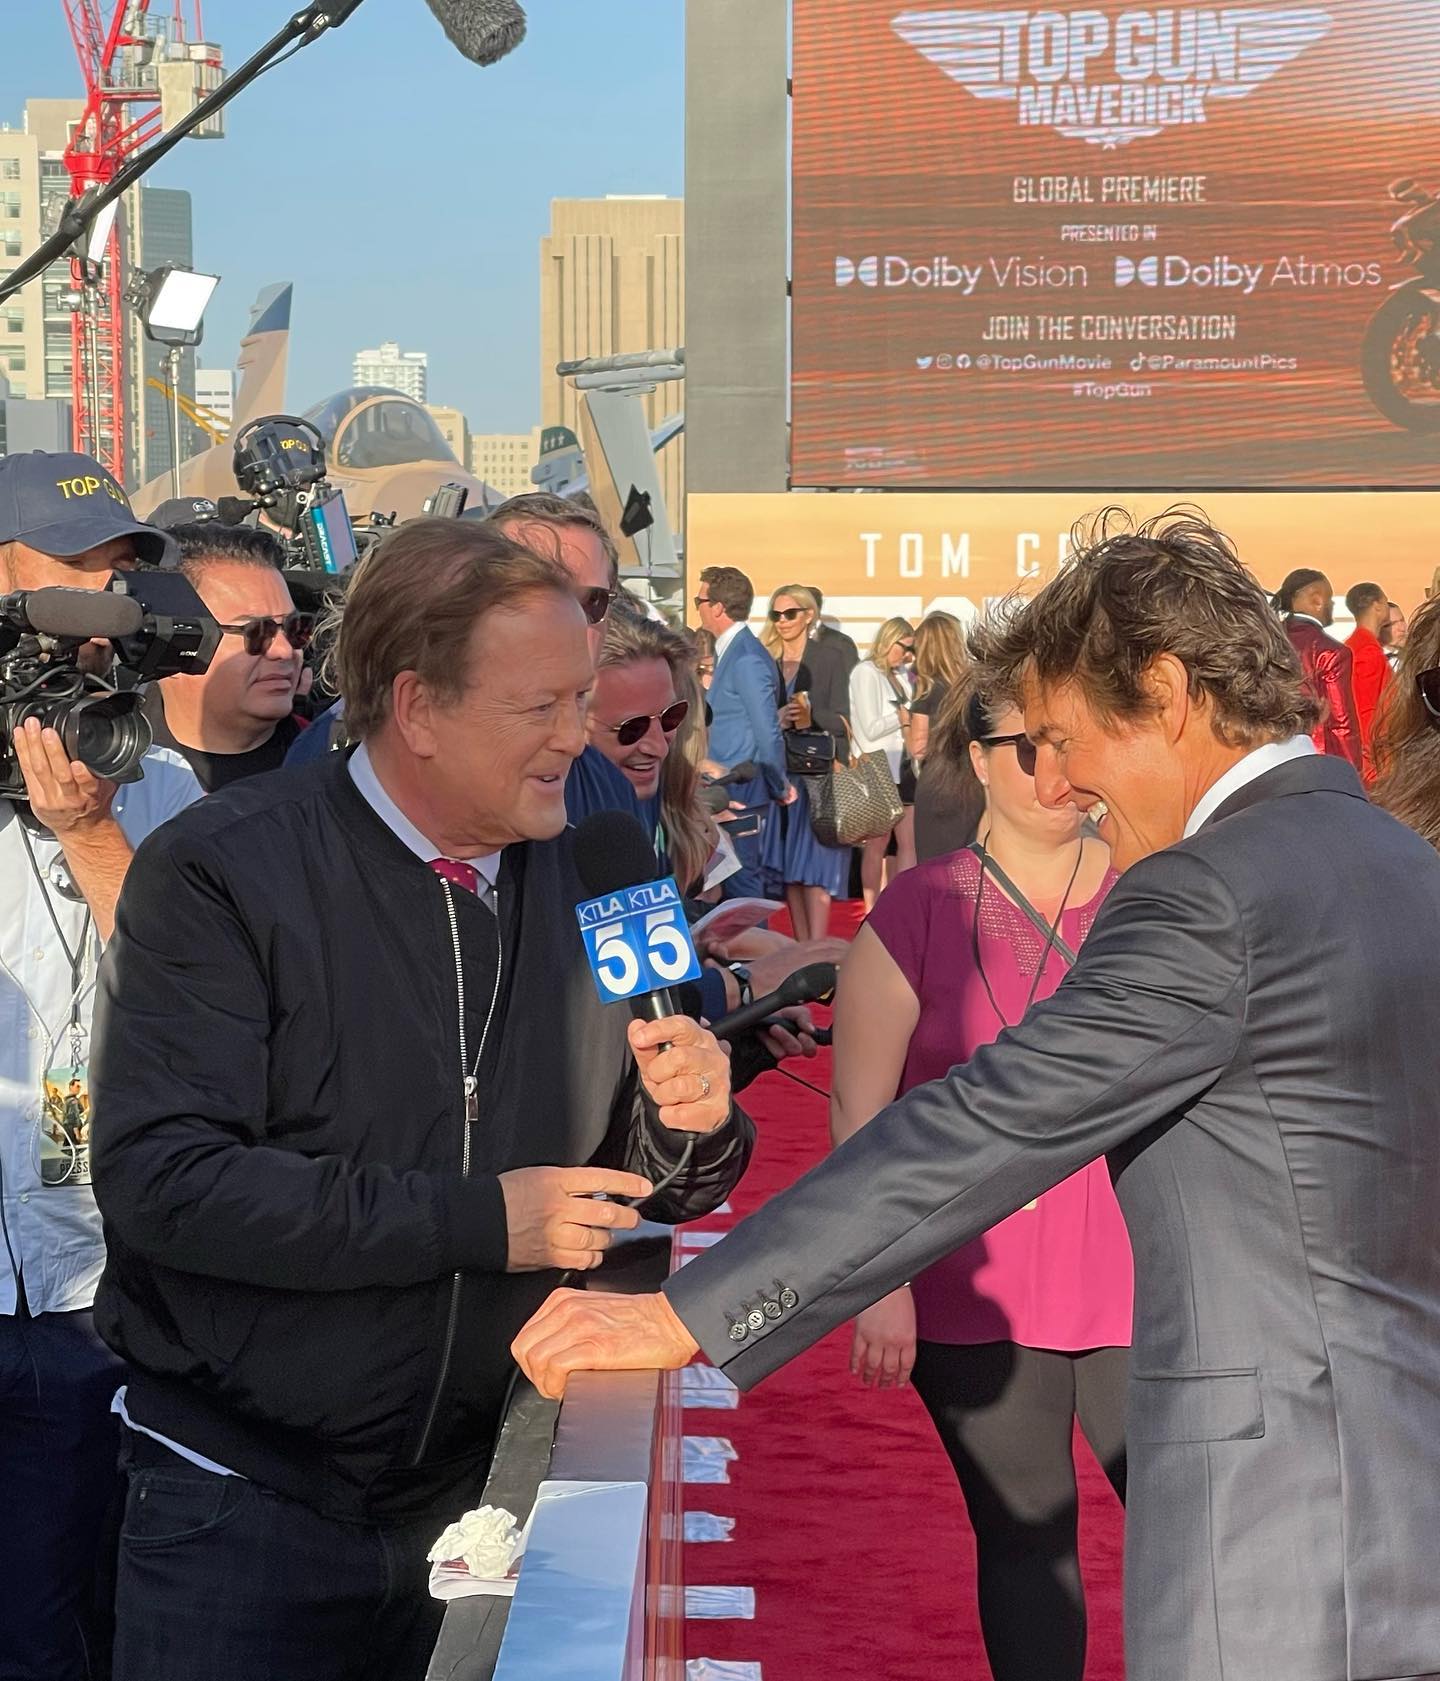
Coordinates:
(880,694)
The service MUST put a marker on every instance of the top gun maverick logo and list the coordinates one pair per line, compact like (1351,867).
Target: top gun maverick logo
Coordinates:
(1161,66)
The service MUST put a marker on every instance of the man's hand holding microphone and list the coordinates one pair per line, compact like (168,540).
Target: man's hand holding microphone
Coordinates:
(552,1214)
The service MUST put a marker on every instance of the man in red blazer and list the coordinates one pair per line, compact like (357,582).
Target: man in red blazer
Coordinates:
(1370,672)
(1308,604)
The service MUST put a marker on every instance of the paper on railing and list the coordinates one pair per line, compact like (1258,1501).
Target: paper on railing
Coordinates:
(453,1579)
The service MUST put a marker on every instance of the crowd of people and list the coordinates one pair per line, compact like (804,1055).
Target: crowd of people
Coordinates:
(283,1177)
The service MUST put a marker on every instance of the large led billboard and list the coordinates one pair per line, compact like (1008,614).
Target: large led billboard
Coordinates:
(1108,244)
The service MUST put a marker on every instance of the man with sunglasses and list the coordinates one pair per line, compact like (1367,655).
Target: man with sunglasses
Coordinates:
(238,718)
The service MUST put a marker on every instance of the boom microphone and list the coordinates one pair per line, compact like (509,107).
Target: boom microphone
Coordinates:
(814,984)
(75,615)
(481,30)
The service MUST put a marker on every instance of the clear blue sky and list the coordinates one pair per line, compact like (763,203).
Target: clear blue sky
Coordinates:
(403,190)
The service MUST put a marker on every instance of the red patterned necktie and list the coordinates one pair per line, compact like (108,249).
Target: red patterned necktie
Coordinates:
(460,875)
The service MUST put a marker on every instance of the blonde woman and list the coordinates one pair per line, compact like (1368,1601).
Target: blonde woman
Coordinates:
(939,664)
(880,696)
(811,692)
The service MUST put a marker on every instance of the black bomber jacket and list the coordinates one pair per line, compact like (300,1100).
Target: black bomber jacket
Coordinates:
(305,1252)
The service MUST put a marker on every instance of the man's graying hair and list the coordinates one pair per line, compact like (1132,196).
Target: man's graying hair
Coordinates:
(540,507)
(1172,584)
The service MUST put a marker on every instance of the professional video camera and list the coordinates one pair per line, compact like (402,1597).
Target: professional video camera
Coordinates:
(280,466)
(157,626)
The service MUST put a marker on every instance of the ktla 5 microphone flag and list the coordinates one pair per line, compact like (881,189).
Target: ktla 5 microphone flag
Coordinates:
(1102,243)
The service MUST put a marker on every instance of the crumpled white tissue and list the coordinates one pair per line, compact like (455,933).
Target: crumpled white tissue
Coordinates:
(483,1540)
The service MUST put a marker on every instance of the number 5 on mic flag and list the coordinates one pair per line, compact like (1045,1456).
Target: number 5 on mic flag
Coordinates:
(637,940)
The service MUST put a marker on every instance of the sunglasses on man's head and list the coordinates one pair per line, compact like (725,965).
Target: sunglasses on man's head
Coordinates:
(701,600)
(1024,749)
(1428,683)
(259,633)
(786,613)
(631,730)
(595,604)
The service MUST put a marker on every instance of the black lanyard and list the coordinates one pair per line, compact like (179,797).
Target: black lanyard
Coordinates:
(1051,931)
(76,957)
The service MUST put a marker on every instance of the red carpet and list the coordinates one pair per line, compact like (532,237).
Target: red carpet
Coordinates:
(848,1522)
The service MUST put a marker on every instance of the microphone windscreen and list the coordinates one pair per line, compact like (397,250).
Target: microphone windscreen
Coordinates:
(85,615)
(816,981)
(613,851)
(481,30)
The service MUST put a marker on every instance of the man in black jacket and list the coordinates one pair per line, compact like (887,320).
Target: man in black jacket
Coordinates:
(358,1098)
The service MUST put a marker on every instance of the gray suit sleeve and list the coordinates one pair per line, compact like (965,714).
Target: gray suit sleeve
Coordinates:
(1146,1020)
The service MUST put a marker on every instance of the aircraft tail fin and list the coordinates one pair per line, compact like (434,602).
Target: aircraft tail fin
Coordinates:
(264,352)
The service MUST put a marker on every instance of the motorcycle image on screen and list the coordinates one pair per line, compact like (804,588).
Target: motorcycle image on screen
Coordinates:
(1400,354)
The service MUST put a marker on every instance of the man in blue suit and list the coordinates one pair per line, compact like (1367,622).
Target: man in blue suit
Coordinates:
(745,721)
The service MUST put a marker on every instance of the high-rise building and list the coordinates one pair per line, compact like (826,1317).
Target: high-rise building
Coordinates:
(612,280)
(401,370)
(215,391)
(454,428)
(159,230)
(35,325)
(28,423)
(504,459)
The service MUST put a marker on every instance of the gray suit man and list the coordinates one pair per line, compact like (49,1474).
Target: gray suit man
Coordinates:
(1252,1043)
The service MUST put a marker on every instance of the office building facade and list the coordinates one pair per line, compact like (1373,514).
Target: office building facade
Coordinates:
(612,280)
(407,371)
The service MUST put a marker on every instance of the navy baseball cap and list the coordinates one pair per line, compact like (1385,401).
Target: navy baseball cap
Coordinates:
(63,504)
(185,510)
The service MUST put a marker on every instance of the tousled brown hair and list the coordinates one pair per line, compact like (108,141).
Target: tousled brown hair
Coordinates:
(1172,584)
(414,603)
(1406,740)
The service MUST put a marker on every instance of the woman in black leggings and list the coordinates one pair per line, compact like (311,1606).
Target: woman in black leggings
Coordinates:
(1013,1337)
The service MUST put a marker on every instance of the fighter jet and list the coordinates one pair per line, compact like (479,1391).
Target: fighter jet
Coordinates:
(382,448)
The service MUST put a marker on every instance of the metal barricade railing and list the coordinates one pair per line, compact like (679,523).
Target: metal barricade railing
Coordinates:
(600,1595)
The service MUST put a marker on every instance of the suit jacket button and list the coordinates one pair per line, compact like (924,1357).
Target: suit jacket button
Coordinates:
(755,1319)
(739,1330)
(773,1310)
(788,1298)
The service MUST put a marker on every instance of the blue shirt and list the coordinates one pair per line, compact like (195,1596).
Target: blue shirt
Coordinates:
(53,1230)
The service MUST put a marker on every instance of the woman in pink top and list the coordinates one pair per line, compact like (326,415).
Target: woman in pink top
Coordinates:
(1013,1336)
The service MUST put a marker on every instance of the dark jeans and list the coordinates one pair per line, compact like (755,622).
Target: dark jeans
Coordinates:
(58,1496)
(222,1579)
(1006,1416)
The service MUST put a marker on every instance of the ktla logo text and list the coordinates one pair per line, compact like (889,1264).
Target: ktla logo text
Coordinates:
(1226,273)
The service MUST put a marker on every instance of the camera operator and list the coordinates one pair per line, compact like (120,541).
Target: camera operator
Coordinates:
(238,719)
(358,1097)
(64,853)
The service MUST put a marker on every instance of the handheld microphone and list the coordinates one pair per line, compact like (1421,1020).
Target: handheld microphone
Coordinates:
(74,615)
(715,793)
(814,984)
(481,30)
(633,924)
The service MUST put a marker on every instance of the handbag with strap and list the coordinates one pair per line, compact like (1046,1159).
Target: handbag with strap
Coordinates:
(1021,903)
(857,801)
(809,752)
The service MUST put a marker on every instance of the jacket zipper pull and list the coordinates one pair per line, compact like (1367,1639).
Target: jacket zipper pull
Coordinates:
(472,1100)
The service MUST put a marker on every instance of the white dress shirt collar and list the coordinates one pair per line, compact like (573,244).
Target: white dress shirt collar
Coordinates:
(362,774)
(1243,772)
(725,638)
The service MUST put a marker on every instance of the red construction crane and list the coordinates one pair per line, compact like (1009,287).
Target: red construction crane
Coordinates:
(120,61)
